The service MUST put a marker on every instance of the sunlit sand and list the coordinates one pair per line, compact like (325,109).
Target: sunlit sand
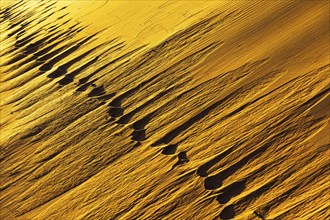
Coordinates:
(164,110)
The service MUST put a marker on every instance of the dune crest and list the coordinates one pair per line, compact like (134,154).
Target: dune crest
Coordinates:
(164,110)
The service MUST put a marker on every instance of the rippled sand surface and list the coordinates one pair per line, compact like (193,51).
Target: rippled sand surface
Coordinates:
(164,110)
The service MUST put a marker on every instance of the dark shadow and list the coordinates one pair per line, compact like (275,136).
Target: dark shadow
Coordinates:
(230,191)
(140,124)
(84,87)
(139,135)
(97,91)
(182,158)
(116,112)
(70,77)
(215,181)
(228,212)
(170,149)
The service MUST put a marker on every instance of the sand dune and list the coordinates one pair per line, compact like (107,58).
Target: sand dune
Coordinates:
(164,110)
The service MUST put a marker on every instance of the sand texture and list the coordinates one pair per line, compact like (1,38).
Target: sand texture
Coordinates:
(171,110)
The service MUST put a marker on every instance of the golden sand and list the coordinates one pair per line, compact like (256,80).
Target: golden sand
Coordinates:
(164,110)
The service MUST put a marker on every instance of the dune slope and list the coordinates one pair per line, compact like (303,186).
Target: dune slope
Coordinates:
(164,109)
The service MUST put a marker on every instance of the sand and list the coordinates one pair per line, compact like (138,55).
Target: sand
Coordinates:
(164,110)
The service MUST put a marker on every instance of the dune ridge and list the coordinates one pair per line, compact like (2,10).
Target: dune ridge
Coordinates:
(209,111)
